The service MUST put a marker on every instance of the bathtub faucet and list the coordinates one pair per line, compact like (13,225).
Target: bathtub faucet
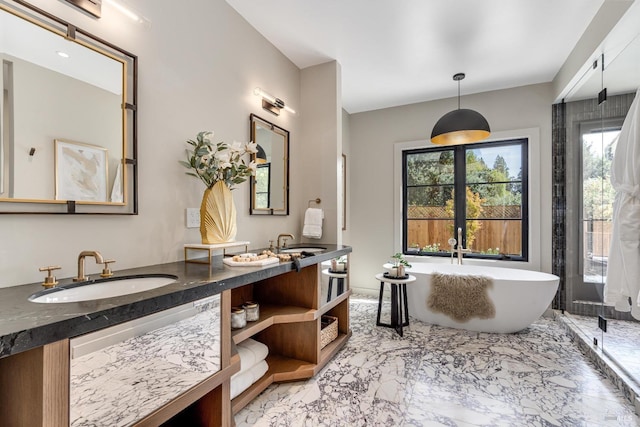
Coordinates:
(452,242)
(460,250)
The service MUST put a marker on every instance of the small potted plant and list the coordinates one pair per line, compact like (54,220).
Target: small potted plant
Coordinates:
(339,265)
(399,263)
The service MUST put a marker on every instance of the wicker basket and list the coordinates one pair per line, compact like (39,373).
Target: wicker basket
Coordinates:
(328,330)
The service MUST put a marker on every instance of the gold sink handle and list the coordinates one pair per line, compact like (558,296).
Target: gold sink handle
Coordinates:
(49,281)
(106,271)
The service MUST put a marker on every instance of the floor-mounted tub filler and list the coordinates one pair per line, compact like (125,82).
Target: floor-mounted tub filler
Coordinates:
(477,298)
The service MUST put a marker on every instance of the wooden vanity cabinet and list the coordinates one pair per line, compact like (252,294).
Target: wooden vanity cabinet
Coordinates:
(35,384)
(34,387)
(212,409)
(289,325)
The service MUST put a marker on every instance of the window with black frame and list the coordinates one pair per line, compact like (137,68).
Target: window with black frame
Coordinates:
(263,186)
(480,188)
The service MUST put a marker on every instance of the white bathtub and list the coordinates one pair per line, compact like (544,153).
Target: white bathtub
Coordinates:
(520,297)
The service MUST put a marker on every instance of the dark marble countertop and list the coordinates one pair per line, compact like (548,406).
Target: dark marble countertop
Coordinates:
(25,325)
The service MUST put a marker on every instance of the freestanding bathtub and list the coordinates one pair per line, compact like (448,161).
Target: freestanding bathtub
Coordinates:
(520,297)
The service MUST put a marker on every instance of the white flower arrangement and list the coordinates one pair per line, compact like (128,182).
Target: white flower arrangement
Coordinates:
(220,161)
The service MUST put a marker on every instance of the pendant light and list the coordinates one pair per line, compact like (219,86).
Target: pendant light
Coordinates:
(461,126)
(261,156)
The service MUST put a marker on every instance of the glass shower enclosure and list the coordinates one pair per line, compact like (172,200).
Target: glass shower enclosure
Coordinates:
(586,127)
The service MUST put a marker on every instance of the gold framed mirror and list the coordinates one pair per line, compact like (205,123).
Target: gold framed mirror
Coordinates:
(60,83)
(270,187)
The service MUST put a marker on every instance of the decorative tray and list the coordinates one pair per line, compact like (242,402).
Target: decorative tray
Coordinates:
(259,263)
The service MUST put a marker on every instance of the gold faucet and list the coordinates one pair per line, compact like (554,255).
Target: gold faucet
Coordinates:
(284,245)
(99,260)
(49,281)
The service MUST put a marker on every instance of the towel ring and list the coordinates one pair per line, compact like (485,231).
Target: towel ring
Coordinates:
(318,201)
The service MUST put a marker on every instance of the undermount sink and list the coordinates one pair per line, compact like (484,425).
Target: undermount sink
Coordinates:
(102,288)
(301,249)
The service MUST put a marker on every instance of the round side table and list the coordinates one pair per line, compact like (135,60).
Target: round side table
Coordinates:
(335,275)
(399,307)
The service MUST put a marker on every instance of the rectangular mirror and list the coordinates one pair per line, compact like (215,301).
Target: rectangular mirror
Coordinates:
(270,186)
(67,140)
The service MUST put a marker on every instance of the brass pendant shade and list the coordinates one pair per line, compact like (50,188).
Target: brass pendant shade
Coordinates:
(461,126)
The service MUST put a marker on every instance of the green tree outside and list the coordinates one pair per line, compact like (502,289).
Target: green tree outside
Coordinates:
(474,210)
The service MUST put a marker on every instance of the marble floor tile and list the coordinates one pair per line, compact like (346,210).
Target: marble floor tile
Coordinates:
(435,376)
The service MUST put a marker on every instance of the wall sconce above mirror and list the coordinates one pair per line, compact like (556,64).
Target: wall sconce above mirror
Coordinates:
(68,128)
(271,103)
(92,7)
(270,186)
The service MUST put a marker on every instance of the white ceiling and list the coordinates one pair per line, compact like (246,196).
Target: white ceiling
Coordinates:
(397,52)
(621,52)
(31,43)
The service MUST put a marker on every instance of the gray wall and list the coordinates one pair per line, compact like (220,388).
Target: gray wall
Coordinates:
(321,145)
(199,63)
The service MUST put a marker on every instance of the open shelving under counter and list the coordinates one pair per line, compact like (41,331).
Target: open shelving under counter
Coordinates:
(270,315)
(291,307)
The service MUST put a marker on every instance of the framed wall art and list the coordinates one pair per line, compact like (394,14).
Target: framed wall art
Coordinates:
(81,171)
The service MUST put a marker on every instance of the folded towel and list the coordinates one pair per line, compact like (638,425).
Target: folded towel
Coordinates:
(251,353)
(258,371)
(259,350)
(313,223)
(247,360)
(240,383)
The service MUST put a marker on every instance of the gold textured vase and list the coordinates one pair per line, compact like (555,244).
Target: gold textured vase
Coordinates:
(218,215)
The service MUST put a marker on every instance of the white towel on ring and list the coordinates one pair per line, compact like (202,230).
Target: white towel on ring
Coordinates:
(313,223)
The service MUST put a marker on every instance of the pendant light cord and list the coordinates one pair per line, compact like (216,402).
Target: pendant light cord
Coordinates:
(457,77)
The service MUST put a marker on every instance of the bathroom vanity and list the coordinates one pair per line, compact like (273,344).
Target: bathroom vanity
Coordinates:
(55,372)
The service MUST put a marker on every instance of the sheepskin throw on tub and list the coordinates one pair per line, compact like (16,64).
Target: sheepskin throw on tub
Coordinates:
(461,297)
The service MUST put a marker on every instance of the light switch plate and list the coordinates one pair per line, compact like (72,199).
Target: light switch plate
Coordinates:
(193,217)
